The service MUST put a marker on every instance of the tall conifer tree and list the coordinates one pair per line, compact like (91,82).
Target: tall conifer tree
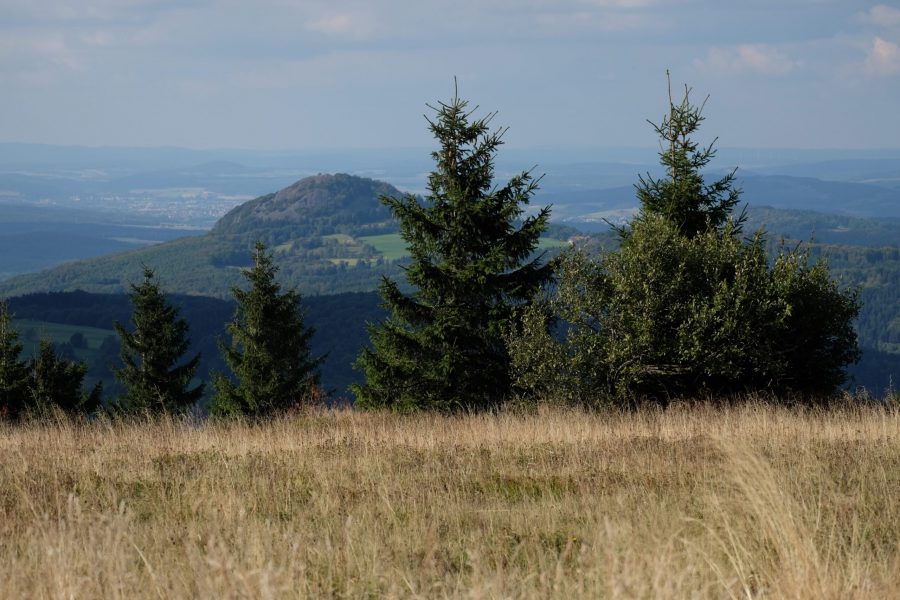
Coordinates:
(13,371)
(153,381)
(269,352)
(473,267)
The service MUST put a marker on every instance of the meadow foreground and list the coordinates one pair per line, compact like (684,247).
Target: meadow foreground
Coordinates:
(690,502)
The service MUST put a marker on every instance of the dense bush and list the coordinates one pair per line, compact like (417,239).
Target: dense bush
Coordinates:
(47,382)
(669,315)
(57,383)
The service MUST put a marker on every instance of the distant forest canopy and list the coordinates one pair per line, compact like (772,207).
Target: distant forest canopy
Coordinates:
(339,321)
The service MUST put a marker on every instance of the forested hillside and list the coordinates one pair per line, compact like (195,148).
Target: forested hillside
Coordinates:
(339,321)
(313,226)
(821,227)
(330,234)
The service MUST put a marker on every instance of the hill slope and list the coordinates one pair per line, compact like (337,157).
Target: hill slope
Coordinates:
(313,226)
(330,234)
(314,206)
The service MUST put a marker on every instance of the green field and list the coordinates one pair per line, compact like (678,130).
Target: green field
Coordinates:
(350,262)
(390,245)
(393,247)
(548,243)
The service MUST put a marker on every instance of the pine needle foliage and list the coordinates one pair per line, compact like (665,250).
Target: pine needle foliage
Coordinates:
(13,371)
(154,381)
(683,197)
(269,353)
(473,267)
(57,383)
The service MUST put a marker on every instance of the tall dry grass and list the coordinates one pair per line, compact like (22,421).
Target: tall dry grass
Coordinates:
(686,503)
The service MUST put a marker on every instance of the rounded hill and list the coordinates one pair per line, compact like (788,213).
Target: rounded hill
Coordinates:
(314,206)
(320,229)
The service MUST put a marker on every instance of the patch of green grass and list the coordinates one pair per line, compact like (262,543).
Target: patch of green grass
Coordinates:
(548,243)
(341,238)
(350,262)
(390,245)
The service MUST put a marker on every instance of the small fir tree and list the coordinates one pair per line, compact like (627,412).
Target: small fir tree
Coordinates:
(683,197)
(269,353)
(13,371)
(154,381)
(57,383)
(473,268)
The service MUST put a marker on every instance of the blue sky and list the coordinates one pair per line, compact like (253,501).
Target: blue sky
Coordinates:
(310,74)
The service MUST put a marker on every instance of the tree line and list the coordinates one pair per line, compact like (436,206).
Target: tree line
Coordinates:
(686,305)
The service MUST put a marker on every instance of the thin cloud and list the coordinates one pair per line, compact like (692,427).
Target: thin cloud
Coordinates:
(754,58)
(883,58)
(37,59)
(345,24)
(567,22)
(64,11)
(882,16)
(207,72)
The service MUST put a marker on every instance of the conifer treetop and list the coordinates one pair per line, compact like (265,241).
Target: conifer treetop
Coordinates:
(683,196)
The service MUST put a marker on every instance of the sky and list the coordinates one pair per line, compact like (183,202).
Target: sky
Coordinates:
(333,74)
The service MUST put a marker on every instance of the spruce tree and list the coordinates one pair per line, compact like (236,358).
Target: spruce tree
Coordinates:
(55,382)
(269,353)
(13,371)
(683,197)
(473,268)
(154,381)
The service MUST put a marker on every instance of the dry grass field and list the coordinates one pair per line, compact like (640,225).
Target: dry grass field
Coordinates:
(751,502)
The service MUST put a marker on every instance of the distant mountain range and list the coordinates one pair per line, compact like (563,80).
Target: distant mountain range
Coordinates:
(877,171)
(866,200)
